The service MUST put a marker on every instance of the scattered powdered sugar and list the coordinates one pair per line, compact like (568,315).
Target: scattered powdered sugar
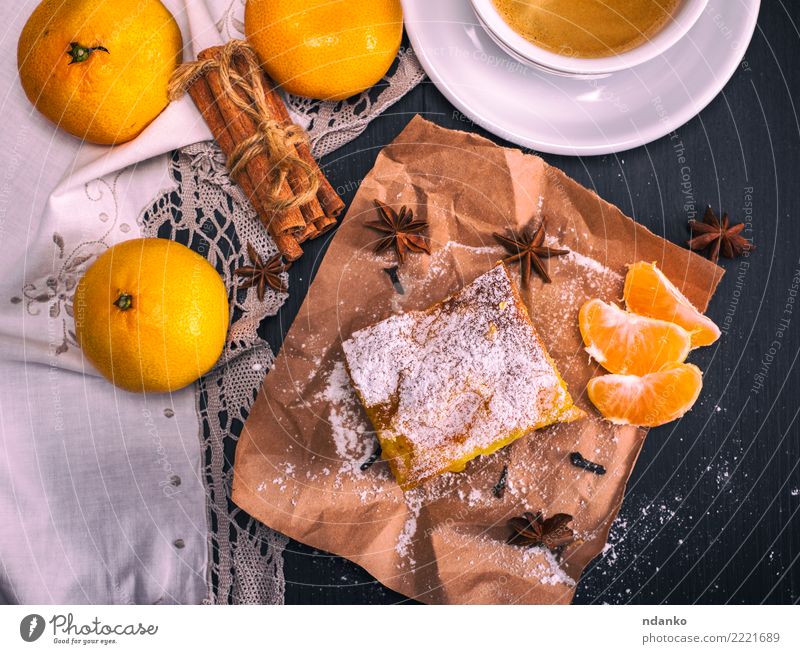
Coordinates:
(351,436)
(543,565)
(474,496)
(440,264)
(538,564)
(631,561)
(414,501)
(591,264)
(609,552)
(580,277)
(442,259)
(338,389)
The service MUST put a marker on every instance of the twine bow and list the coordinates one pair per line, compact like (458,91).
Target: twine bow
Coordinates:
(272,138)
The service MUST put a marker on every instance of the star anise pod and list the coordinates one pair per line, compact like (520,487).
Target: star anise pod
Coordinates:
(527,248)
(261,274)
(717,237)
(399,230)
(532,529)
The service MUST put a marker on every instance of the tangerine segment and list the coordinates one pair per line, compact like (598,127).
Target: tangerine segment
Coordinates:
(647,401)
(625,343)
(649,293)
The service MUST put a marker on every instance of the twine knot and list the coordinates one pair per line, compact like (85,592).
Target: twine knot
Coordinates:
(272,138)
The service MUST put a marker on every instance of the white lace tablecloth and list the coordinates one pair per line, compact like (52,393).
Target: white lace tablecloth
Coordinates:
(108,496)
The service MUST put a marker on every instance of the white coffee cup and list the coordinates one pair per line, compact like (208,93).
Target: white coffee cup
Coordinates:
(681,21)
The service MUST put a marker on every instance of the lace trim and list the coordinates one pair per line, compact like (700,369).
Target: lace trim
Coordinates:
(211,215)
(332,124)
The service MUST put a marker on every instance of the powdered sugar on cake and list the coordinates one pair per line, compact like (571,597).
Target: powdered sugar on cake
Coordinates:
(460,376)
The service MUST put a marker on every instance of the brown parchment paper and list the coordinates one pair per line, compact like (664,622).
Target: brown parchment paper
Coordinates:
(297,462)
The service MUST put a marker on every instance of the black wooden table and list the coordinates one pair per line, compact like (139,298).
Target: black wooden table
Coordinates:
(711,511)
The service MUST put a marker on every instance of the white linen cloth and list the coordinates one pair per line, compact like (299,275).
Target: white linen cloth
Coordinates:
(102,495)
(101,498)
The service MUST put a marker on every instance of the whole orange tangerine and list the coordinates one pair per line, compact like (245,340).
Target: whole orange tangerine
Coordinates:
(325,49)
(99,69)
(151,315)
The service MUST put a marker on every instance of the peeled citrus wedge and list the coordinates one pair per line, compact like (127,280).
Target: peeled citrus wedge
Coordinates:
(649,293)
(625,343)
(650,400)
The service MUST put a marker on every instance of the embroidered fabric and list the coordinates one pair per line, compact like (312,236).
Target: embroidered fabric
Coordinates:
(211,215)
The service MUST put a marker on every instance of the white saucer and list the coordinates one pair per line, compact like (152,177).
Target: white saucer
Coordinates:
(555,114)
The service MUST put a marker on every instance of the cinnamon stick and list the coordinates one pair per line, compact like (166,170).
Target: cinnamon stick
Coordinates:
(311,211)
(309,233)
(241,126)
(201,94)
(236,121)
(329,199)
(324,223)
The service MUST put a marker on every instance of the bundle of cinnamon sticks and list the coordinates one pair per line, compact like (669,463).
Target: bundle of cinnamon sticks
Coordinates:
(268,156)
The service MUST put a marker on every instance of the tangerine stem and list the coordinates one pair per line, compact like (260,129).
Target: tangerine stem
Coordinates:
(80,53)
(124,301)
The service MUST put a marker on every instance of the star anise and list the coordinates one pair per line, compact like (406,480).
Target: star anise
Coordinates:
(532,529)
(261,273)
(399,230)
(717,237)
(527,248)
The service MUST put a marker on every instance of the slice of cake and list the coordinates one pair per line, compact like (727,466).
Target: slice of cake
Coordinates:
(464,378)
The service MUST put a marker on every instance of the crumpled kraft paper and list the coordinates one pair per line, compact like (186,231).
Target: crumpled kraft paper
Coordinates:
(298,460)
